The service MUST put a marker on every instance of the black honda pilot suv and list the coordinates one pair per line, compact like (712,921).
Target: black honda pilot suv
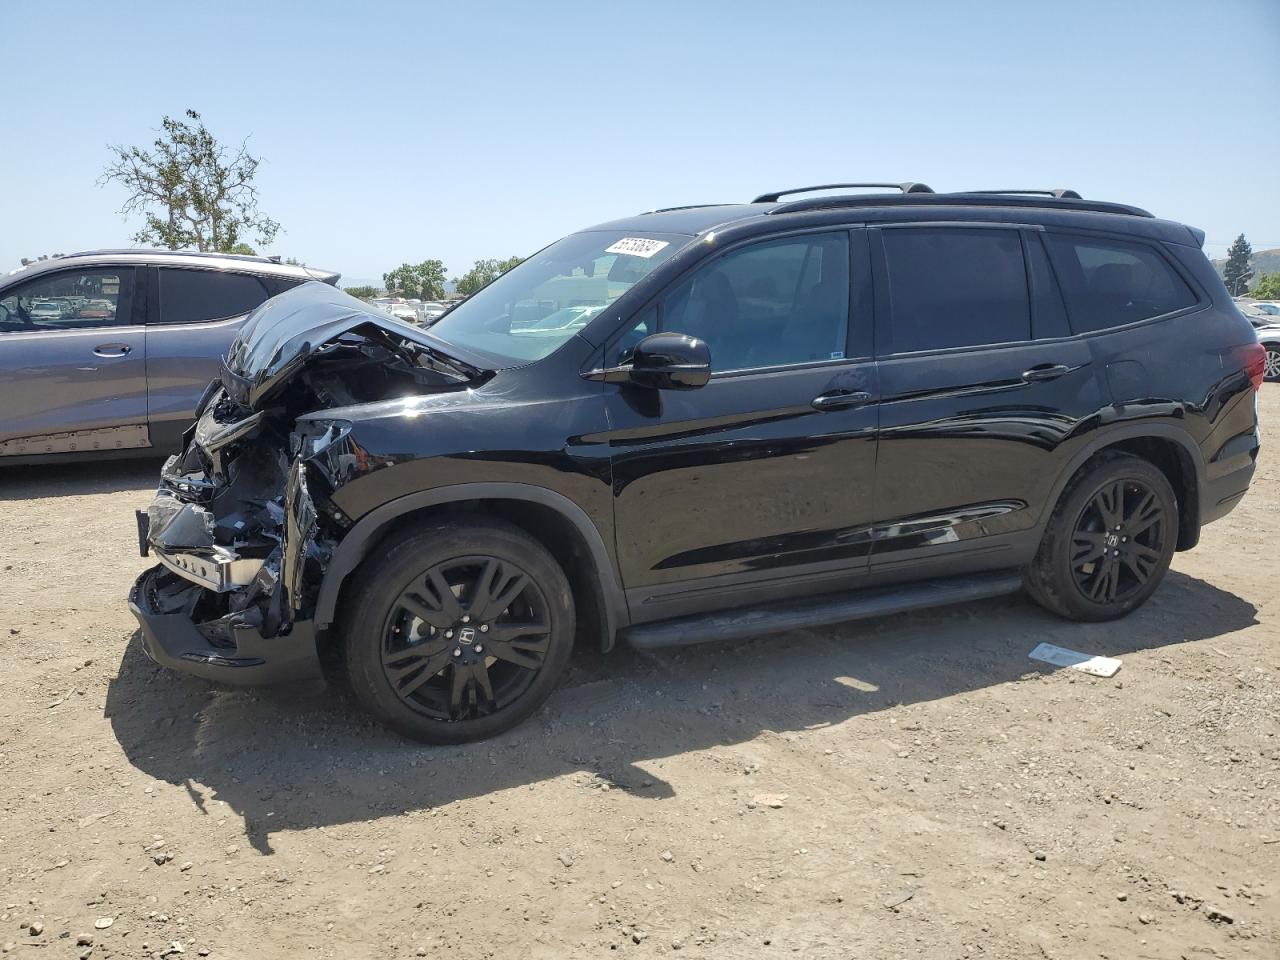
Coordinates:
(703,423)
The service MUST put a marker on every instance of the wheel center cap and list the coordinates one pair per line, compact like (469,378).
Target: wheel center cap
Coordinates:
(1112,540)
(467,635)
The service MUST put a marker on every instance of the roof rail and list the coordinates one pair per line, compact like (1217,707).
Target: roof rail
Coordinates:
(907,187)
(1061,193)
(977,199)
(127,251)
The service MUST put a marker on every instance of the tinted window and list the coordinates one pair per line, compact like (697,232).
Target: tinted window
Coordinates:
(69,300)
(955,288)
(278,285)
(769,304)
(189,296)
(1111,282)
(1048,313)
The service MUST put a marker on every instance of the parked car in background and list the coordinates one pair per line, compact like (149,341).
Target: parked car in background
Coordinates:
(107,353)
(432,311)
(96,310)
(1269,336)
(46,310)
(710,422)
(405,311)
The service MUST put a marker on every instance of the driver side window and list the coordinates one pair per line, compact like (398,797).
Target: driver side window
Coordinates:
(769,304)
(69,300)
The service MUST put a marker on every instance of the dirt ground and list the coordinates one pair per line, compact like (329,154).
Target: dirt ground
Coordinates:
(925,789)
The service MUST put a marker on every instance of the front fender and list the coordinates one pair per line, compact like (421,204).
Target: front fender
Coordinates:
(371,527)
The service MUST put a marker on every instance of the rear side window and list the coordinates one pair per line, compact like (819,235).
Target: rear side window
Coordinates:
(1108,283)
(955,288)
(1048,312)
(193,296)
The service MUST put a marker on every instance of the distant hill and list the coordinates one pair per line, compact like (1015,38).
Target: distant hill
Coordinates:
(1264,261)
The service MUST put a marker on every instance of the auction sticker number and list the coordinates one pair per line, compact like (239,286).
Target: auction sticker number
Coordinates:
(637,247)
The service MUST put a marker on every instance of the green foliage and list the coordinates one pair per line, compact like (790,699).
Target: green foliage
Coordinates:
(1237,273)
(191,190)
(483,272)
(424,280)
(362,293)
(1267,287)
(243,249)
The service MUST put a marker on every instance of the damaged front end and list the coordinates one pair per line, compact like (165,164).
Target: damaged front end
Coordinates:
(242,523)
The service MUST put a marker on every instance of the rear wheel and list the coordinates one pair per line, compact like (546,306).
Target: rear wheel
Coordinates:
(458,631)
(1109,541)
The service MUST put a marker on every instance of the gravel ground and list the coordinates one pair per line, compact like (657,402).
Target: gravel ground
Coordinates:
(911,786)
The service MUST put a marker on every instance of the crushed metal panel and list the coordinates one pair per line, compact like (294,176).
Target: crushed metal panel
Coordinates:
(220,572)
(299,533)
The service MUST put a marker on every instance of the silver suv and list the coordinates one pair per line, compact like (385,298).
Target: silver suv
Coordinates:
(107,353)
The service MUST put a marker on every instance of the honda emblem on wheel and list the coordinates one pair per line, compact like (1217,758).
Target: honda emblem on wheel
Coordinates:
(467,635)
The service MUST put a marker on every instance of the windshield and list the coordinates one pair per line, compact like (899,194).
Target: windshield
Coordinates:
(530,311)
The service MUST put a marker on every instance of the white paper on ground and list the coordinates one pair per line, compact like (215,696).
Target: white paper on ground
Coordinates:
(1062,657)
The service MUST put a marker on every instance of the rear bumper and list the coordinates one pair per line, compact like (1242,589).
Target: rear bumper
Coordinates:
(1228,477)
(175,641)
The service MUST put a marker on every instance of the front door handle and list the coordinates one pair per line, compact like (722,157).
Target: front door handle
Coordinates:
(112,349)
(1046,371)
(839,399)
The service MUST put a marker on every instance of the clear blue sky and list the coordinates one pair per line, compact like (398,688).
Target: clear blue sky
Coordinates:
(402,131)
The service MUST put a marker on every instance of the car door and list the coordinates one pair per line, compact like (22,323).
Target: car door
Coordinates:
(72,364)
(984,394)
(759,484)
(193,317)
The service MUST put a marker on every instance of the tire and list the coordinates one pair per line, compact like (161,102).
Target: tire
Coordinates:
(458,630)
(1090,569)
(1271,363)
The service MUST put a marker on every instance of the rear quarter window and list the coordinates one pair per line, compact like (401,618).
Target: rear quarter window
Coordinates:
(1109,283)
(195,296)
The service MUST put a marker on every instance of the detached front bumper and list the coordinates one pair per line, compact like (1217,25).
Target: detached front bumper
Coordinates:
(239,654)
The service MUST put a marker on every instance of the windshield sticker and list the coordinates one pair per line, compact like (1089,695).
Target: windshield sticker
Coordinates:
(637,247)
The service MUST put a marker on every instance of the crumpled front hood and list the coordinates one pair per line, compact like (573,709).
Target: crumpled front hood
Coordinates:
(278,338)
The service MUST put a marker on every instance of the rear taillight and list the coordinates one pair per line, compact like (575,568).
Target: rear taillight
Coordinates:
(1255,362)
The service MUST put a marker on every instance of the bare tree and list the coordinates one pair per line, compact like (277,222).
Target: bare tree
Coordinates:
(192,191)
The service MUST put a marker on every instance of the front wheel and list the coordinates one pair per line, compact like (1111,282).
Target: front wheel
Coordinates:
(1109,540)
(458,630)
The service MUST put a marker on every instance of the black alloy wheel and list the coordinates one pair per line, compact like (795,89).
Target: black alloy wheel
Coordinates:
(1118,541)
(457,630)
(466,638)
(1108,541)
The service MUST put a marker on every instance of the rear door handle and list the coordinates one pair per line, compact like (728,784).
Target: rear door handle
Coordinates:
(112,349)
(1046,371)
(838,399)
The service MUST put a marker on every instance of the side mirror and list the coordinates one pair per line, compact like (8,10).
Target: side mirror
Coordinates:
(663,361)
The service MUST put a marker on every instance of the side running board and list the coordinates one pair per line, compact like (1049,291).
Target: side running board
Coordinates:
(820,611)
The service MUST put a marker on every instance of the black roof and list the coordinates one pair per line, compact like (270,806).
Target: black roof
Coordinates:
(915,201)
